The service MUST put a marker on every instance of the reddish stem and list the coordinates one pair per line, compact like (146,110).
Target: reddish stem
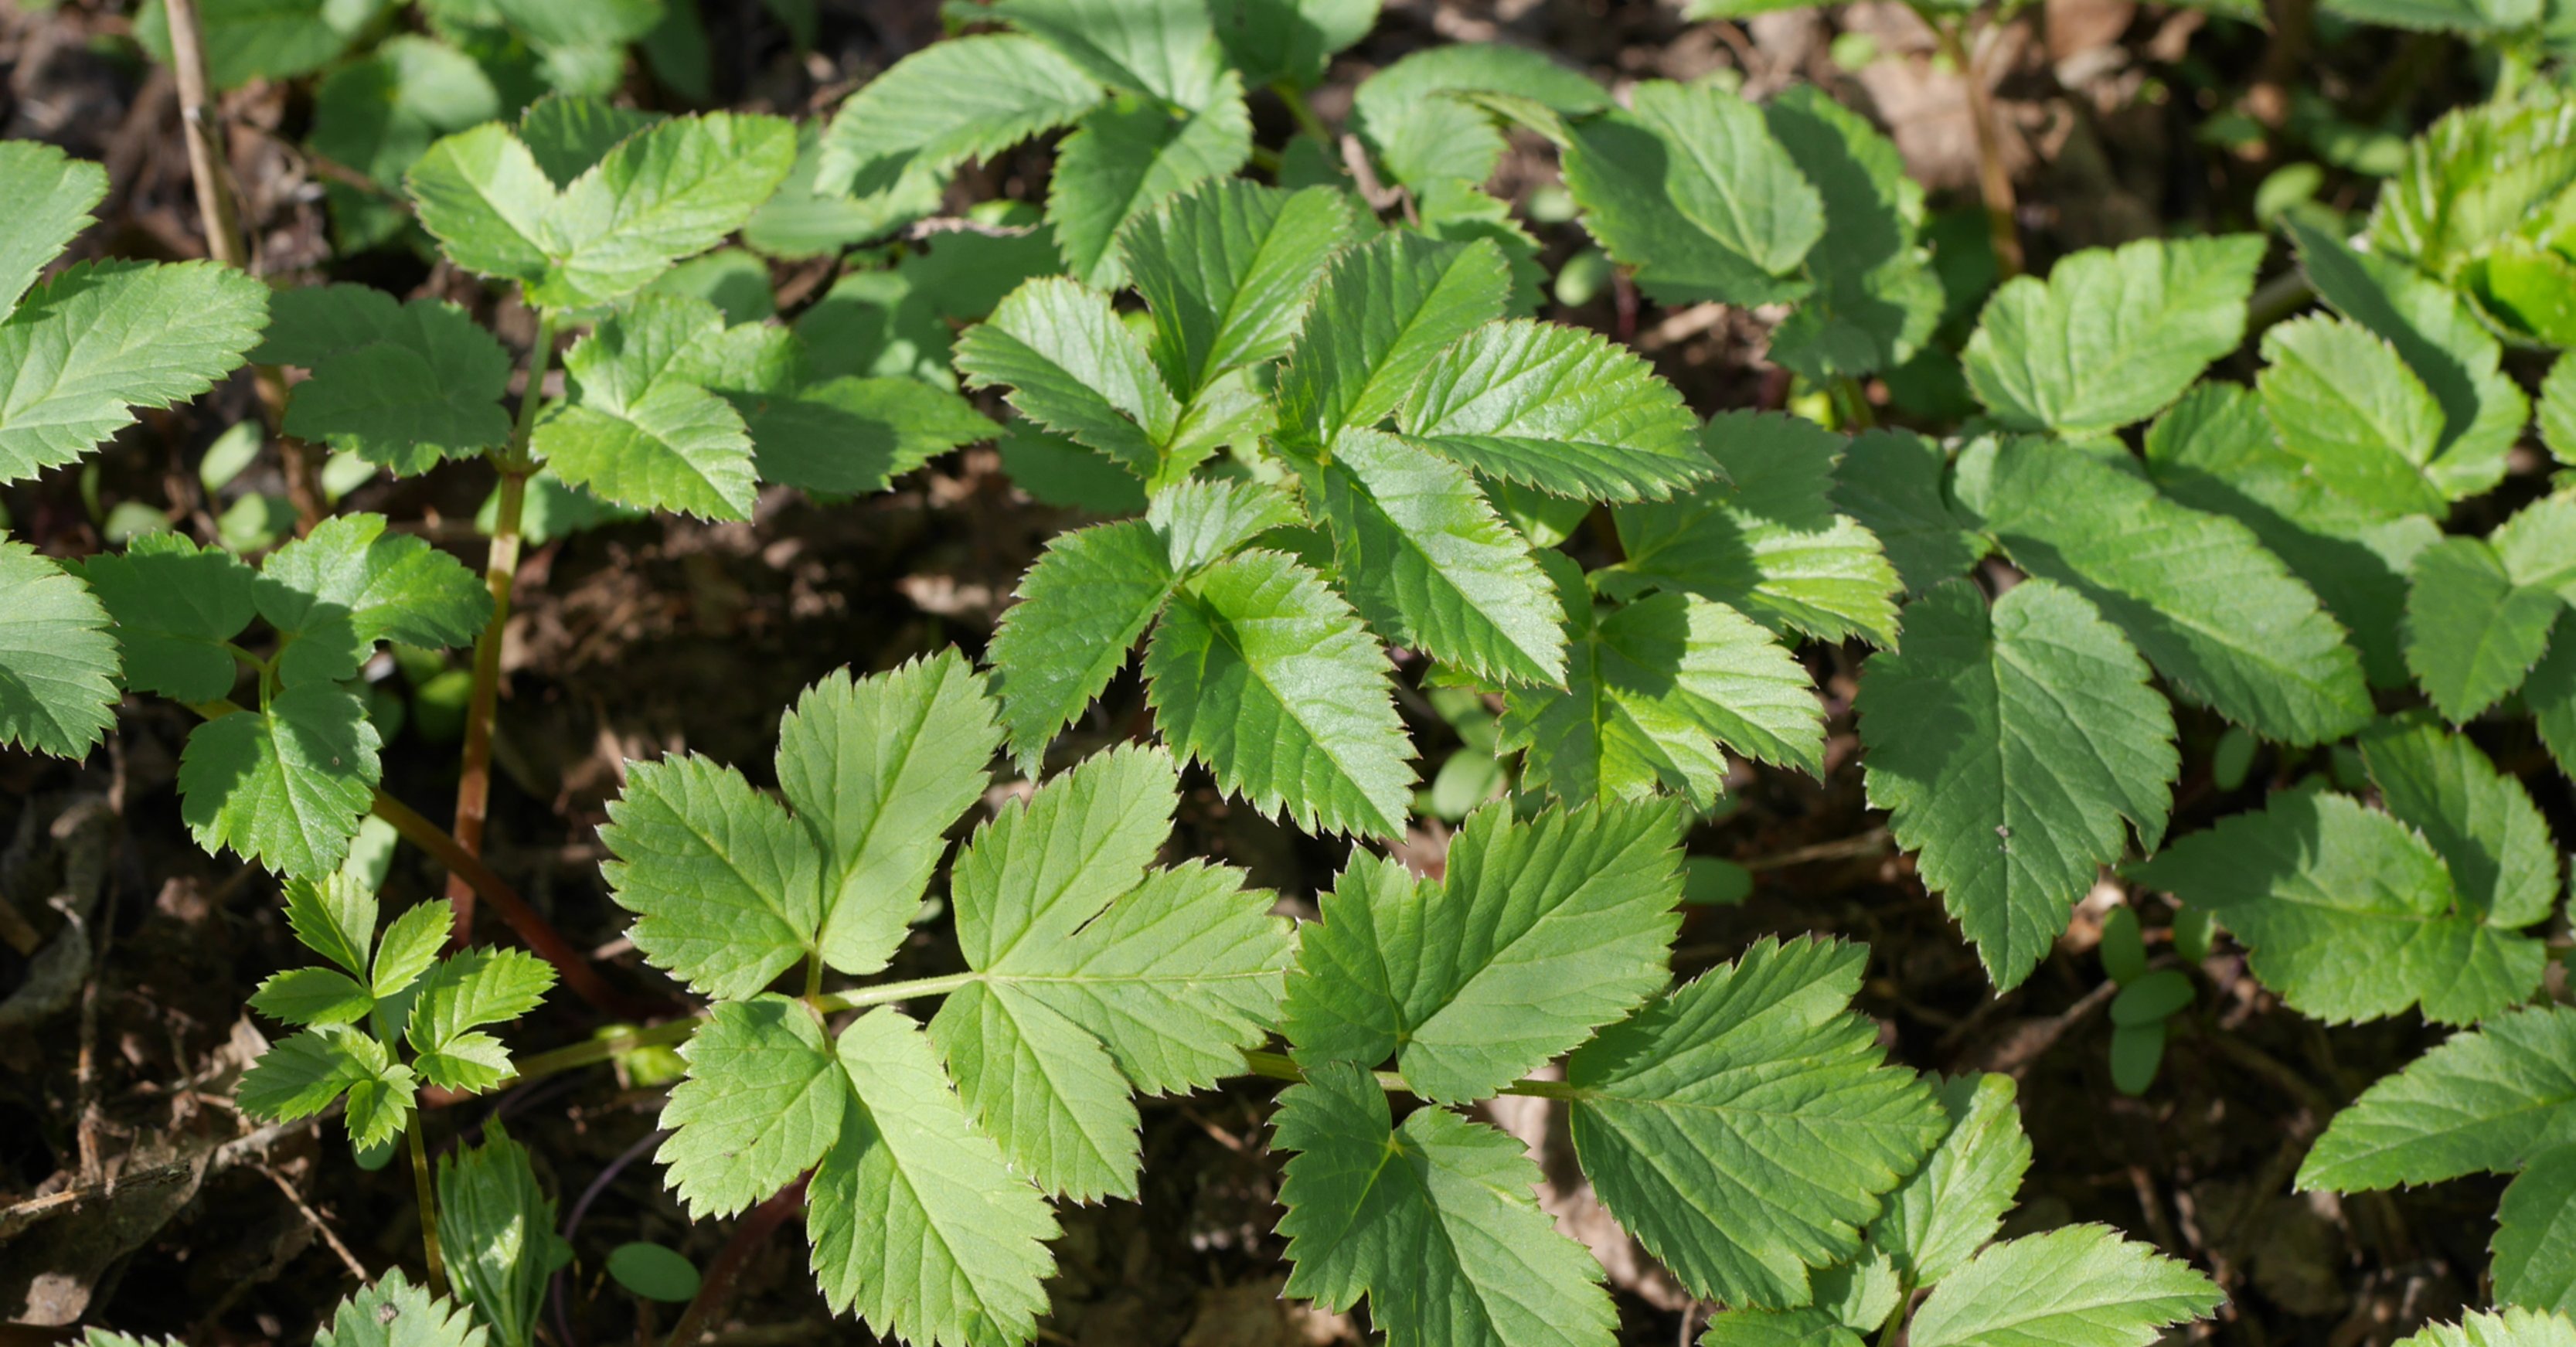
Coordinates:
(748,1235)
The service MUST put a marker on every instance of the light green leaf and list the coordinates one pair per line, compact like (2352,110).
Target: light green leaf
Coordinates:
(1384,313)
(2456,16)
(1891,482)
(2082,1286)
(1692,190)
(286,786)
(1291,40)
(2342,401)
(1073,367)
(1743,1128)
(2218,616)
(174,607)
(1127,157)
(2350,915)
(2480,821)
(2488,1100)
(2535,1238)
(2511,1328)
(475,987)
(1762,537)
(968,98)
(334,917)
(726,888)
(1163,48)
(917,1220)
(301,1076)
(312,996)
(1227,270)
(2472,632)
(2558,409)
(1081,608)
(349,584)
(1655,689)
(1432,1221)
(496,1229)
(1877,298)
(1945,1211)
(1430,565)
(58,663)
(1262,674)
(1203,521)
(1557,408)
(2112,335)
(1423,138)
(394,1313)
(876,769)
(2476,176)
(2009,746)
(1043,1088)
(2215,451)
(87,347)
(1541,933)
(643,440)
(50,195)
(2550,694)
(483,196)
(409,946)
(762,1103)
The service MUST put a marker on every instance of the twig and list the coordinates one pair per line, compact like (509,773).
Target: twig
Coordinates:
(320,1226)
(500,573)
(1842,848)
(754,1228)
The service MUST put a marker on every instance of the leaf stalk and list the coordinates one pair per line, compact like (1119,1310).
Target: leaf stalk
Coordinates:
(428,1198)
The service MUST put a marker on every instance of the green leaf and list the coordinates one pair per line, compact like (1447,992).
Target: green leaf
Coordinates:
(2111,336)
(2350,915)
(1423,138)
(175,607)
(654,1272)
(401,385)
(2215,451)
(2472,632)
(1384,313)
(1947,1210)
(968,98)
(1777,1328)
(58,663)
(496,1229)
(2535,1238)
(1557,408)
(1891,482)
(51,195)
(2512,1328)
(312,996)
(569,134)
(301,1076)
(637,438)
(2218,616)
(2009,746)
(1163,48)
(2082,1286)
(855,436)
(349,584)
(2480,821)
(2488,1100)
(394,1313)
(876,769)
(1743,1128)
(379,113)
(471,988)
(726,888)
(1128,156)
(1227,270)
(2457,16)
(1044,1088)
(286,786)
(1689,187)
(1262,674)
(2558,409)
(917,1220)
(1430,565)
(1081,608)
(1204,521)
(87,347)
(334,917)
(2476,176)
(1655,689)
(662,194)
(762,1103)
(2344,403)
(1432,1221)
(1542,932)
(1877,298)
(1290,40)
(1762,537)
(799,223)
(245,40)
(409,946)
(1073,367)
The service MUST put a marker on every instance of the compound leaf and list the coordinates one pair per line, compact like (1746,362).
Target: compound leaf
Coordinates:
(1072,366)
(1542,932)
(1227,270)
(349,584)
(2477,175)
(312,996)
(668,192)
(1947,1210)
(2197,594)
(84,349)
(1557,408)
(2009,745)
(762,1103)
(637,430)
(400,385)
(949,102)
(395,1313)
(1128,156)
(1432,1221)
(1260,672)
(2350,915)
(2342,401)
(1690,187)
(1743,1127)
(286,786)
(2112,335)
(57,659)
(464,991)
(2491,1099)
(2511,1328)
(2082,1286)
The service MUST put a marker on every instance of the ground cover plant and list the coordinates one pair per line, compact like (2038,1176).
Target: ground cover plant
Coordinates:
(1288,670)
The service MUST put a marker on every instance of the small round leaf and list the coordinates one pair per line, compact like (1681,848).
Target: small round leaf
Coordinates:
(2136,1051)
(653,1272)
(2151,998)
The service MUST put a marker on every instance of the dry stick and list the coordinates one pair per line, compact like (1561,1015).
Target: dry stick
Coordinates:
(500,571)
(1994,182)
(573,966)
(755,1226)
(201,123)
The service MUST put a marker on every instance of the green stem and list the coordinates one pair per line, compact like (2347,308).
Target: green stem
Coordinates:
(428,1206)
(1301,111)
(500,570)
